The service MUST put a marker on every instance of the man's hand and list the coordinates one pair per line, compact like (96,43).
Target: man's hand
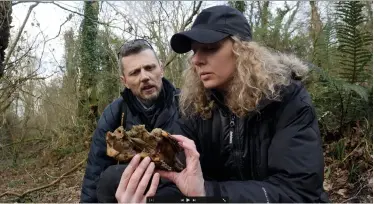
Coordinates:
(190,181)
(133,183)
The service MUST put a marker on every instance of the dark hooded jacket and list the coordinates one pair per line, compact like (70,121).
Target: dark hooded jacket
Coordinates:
(162,116)
(272,155)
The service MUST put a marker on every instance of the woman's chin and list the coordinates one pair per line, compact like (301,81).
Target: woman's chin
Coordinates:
(210,84)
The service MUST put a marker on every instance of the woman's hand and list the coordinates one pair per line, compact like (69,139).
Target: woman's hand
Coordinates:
(133,183)
(190,181)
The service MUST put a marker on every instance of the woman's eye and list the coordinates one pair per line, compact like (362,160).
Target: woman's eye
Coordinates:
(211,49)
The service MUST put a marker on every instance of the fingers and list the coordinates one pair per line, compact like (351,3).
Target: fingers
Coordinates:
(181,138)
(145,180)
(127,173)
(186,143)
(152,190)
(136,176)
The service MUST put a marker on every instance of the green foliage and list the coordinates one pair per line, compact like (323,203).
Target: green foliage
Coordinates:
(342,94)
(354,42)
(108,77)
(278,31)
(339,150)
(240,5)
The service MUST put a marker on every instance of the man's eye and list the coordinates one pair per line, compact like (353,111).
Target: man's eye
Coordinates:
(134,73)
(150,67)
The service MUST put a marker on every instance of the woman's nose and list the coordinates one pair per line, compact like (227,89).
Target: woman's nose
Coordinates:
(198,59)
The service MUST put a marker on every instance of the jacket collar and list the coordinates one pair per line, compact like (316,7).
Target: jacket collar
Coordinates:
(219,98)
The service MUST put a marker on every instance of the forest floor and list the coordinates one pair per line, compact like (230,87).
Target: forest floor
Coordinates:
(51,177)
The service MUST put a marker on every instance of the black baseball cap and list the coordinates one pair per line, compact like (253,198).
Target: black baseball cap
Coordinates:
(212,25)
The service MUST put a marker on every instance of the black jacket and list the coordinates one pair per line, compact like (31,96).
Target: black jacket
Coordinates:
(165,115)
(273,155)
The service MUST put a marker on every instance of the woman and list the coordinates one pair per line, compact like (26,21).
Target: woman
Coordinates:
(249,131)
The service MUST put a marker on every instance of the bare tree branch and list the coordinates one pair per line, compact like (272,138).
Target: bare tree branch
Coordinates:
(66,9)
(129,21)
(24,55)
(162,7)
(59,31)
(19,2)
(11,50)
(45,42)
(292,17)
(194,12)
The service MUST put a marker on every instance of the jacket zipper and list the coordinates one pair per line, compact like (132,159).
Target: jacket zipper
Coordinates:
(252,156)
(255,158)
(258,155)
(237,155)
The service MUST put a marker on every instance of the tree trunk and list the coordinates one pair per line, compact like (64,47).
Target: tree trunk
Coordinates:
(6,20)
(264,18)
(88,107)
(315,31)
(70,76)
(265,14)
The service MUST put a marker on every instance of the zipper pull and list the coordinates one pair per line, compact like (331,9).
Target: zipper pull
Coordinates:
(232,126)
(232,122)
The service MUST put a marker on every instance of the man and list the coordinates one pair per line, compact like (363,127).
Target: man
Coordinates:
(148,99)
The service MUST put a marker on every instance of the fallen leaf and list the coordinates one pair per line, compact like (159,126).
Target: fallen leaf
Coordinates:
(342,192)
(342,180)
(327,185)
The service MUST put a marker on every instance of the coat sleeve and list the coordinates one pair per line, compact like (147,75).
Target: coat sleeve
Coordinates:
(97,160)
(295,162)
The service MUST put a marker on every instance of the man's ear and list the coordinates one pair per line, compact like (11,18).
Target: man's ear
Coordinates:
(123,81)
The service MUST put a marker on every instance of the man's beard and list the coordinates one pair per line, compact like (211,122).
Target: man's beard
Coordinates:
(149,101)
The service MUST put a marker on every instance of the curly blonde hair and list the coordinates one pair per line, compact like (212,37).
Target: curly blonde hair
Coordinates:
(258,74)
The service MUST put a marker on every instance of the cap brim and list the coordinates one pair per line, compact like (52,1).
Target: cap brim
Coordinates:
(181,42)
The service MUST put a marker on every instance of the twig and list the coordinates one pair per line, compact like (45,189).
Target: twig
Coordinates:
(195,10)
(25,54)
(81,14)
(56,176)
(45,186)
(30,175)
(45,42)
(352,151)
(59,31)
(128,20)
(66,9)
(355,196)
(162,7)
